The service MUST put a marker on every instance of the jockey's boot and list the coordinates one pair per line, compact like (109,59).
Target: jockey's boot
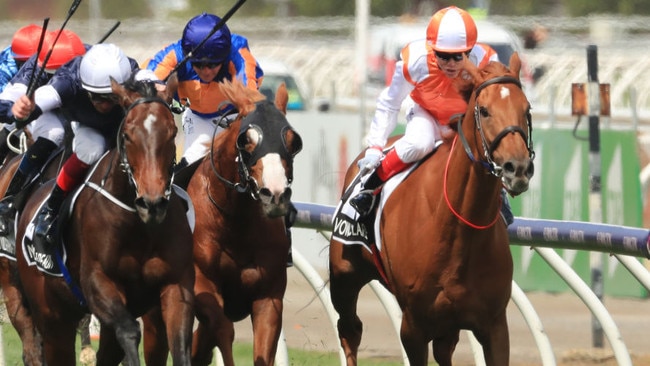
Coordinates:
(180,165)
(364,201)
(289,220)
(31,163)
(506,211)
(71,174)
(46,217)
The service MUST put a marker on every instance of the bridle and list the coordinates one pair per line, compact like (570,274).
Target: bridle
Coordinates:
(489,163)
(124,160)
(247,183)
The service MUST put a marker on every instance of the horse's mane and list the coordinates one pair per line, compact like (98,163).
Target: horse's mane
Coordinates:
(466,84)
(146,88)
(240,96)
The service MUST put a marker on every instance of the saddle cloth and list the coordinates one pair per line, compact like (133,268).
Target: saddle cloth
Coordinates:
(349,228)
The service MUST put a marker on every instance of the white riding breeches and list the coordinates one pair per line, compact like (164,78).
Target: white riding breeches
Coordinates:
(198,132)
(48,126)
(421,136)
(88,144)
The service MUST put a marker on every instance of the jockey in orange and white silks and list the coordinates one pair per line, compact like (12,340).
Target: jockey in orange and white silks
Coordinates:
(425,72)
(222,56)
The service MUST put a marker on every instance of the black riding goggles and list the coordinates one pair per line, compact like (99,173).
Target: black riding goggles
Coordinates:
(444,56)
(200,65)
(103,97)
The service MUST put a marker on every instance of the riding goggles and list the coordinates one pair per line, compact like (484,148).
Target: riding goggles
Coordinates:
(101,98)
(200,64)
(444,56)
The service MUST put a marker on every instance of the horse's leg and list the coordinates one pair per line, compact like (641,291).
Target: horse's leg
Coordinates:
(154,338)
(496,342)
(87,355)
(414,341)
(59,342)
(109,352)
(443,348)
(214,328)
(177,302)
(19,314)
(346,280)
(266,316)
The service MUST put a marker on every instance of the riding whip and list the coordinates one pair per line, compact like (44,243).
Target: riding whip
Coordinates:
(213,31)
(46,21)
(110,31)
(32,82)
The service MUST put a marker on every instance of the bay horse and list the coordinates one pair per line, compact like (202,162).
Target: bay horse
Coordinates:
(241,194)
(128,243)
(444,251)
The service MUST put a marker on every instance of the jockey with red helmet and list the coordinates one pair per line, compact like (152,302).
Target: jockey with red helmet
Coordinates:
(24,44)
(426,73)
(81,90)
(47,130)
(222,56)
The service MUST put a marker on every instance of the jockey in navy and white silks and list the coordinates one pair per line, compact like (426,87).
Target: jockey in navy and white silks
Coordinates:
(47,130)
(223,56)
(426,73)
(82,89)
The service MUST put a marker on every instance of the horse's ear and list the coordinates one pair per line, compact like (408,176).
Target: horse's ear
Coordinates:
(121,92)
(171,87)
(515,64)
(471,69)
(282,98)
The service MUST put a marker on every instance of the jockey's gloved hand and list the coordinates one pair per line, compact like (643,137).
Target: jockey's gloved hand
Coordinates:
(371,159)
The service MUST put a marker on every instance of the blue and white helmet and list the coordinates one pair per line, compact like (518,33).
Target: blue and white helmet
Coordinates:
(216,49)
(99,64)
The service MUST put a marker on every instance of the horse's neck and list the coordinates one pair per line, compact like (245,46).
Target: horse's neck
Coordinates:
(469,184)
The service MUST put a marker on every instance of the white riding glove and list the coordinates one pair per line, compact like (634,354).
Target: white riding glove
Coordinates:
(371,160)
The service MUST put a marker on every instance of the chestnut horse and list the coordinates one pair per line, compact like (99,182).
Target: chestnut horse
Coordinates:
(241,194)
(444,250)
(128,243)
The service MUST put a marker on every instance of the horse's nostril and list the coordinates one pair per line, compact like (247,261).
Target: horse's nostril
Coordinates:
(509,167)
(531,169)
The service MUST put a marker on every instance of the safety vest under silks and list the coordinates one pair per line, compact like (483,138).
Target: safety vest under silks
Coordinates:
(433,90)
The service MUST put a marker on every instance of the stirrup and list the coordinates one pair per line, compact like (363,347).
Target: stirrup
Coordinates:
(363,202)
(44,224)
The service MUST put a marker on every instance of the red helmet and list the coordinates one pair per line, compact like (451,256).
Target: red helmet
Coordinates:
(451,30)
(25,41)
(67,47)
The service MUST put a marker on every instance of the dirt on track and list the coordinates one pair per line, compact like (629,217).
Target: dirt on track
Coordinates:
(566,321)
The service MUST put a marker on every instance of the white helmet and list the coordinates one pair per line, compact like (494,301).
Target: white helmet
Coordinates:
(99,64)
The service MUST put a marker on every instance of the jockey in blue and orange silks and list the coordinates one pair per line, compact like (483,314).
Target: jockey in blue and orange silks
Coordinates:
(426,72)
(222,56)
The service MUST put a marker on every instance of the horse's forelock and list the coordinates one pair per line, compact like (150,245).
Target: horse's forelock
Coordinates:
(145,88)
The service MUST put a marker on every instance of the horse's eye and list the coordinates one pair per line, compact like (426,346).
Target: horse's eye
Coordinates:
(484,112)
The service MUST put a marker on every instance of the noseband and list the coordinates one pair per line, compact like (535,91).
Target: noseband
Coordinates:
(489,163)
(124,161)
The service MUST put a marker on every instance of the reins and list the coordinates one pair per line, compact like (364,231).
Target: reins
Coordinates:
(451,208)
(488,163)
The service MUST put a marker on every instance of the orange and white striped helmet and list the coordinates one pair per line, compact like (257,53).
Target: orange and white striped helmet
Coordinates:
(451,30)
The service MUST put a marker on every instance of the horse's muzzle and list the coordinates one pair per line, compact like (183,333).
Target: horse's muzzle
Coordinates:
(151,211)
(275,205)
(516,176)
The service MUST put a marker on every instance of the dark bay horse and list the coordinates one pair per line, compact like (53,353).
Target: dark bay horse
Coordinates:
(241,194)
(444,250)
(128,243)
